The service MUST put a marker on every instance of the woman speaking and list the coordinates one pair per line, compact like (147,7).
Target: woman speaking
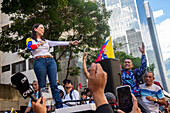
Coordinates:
(43,61)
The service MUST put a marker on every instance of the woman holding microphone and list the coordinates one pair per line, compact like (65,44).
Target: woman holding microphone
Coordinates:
(43,61)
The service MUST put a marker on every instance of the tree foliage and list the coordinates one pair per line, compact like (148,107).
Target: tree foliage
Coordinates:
(151,67)
(58,17)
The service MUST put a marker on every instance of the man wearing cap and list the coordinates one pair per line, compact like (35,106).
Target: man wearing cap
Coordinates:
(71,94)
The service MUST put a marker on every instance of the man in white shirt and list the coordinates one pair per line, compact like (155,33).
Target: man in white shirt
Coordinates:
(71,94)
(151,94)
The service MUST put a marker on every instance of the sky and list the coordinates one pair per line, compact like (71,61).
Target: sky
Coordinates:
(161,12)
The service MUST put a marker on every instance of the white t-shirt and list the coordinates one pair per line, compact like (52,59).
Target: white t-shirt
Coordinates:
(60,87)
(43,49)
(75,96)
(153,91)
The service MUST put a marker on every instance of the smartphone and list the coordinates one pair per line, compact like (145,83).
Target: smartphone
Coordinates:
(79,37)
(46,92)
(86,49)
(124,98)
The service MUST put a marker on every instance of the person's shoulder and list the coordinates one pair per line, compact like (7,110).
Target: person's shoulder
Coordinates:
(142,85)
(29,38)
(37,92)
(46,40)
(75,91)
(156,86)
(60,87)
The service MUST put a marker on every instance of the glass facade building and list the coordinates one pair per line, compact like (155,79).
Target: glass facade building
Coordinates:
(128,25)
(156,45)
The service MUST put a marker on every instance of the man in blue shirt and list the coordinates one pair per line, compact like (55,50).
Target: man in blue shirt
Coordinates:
(131,78)
(35,87)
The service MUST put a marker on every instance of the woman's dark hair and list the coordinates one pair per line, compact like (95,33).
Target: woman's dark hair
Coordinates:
(33,34)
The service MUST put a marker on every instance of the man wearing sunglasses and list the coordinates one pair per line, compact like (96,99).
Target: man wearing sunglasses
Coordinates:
(71,94)
(35,86)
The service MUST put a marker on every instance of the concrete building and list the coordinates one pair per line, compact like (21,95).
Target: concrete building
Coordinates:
(156,45)
(12,62)
(128,25)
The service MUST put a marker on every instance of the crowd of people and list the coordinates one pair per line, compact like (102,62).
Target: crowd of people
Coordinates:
(146,97)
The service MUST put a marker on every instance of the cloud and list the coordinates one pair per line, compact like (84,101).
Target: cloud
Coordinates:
(163,30)
(158,13)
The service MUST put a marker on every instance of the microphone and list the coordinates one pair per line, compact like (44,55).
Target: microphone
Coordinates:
(20,82)
(79,37)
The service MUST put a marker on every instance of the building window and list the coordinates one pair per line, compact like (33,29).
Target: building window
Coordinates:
(5,27)
(18,67)
(31,63)
(5,68)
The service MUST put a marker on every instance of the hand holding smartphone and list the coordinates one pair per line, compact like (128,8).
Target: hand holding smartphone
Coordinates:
(124,98)
(79,37)
(46,92)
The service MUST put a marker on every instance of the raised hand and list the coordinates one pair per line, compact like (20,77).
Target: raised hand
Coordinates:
(96,84)
(84,55)
(142,50)
(74,42)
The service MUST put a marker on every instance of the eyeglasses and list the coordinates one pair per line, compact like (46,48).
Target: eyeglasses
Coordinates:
(34,84)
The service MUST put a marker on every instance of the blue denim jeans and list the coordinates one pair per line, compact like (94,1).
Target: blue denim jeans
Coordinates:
(47,66)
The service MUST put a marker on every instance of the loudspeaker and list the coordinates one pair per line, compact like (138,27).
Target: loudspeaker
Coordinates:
(112,68)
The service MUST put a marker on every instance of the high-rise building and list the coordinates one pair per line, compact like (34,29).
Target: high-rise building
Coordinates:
(128,25)
(156,45)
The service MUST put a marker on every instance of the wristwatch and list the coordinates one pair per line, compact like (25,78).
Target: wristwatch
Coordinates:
(156,100)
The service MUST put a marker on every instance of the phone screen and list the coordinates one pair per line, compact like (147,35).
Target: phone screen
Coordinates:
(46,92)
(124,98)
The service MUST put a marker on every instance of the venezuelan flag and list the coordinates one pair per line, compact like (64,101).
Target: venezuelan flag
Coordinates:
(13,110)
(107,46)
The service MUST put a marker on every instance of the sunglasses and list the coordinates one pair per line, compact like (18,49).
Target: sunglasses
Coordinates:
(68,82)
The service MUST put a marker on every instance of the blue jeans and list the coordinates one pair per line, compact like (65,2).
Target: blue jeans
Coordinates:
(42,67)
